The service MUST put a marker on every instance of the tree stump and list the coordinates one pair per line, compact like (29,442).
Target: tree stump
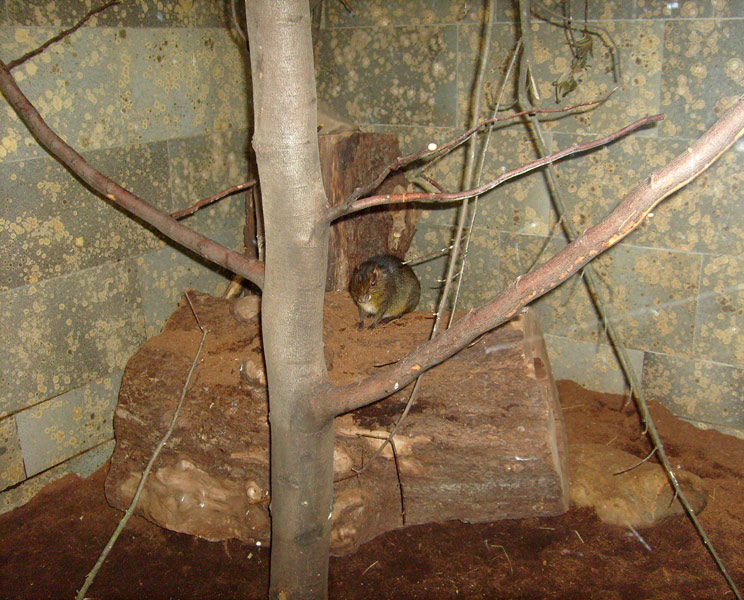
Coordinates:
(485,441)
(348,160)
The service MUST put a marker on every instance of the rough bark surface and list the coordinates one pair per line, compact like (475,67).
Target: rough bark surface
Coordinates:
(353,159)
(484,442)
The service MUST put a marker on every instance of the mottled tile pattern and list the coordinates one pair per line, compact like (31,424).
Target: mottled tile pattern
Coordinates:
(703,73)
(704,216)
(508,10)
(592,365)
(720,327)
(640,46)
(445,170)
(164,275)
(83,465)
(429,240)
(77,86)
(401,75)
(11,459)
(204,165)
(384,13)
(65,332)
(480,281)
(142,13)
(652,294)
(684,9)
(728,8)
(189,82)
(60,428)
(696,389)
(50,225)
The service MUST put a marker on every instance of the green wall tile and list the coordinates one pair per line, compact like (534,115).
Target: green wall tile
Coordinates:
(204,165)
(78,86)
(402,75)
(51,225)
(651,294)
(639,42)
(590,364)
(696,389)
(703,73)
(143,13)
(58,429)
(721,310)
(607,9)
(189,82)
(82,465)
(11,458)
(685,9)
(384,13)
(67,332)
(164,275)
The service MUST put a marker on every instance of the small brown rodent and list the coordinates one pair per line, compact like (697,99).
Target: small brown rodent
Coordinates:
(385,288)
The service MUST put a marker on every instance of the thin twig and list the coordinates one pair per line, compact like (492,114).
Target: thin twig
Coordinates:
(235,262)
(454,252)
(638,464)
(236,21)
(620,351)
(63,34)
(179,214)
(130,511)
(478,175)
(427,154)
(344,209)
(600,32)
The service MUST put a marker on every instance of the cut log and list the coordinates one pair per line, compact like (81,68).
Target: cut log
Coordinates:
(348,160)
(485,441)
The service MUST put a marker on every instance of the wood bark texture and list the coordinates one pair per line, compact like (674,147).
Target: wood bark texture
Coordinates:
(484,442)
(349,160)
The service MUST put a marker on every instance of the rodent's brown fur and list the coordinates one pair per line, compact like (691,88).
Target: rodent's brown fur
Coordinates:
(385,288)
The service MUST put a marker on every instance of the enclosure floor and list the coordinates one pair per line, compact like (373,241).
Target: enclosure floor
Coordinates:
(48,545)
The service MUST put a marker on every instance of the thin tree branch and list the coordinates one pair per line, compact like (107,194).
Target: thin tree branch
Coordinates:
(595,240)
(130,511)
(235,262)
(179,214)
(400,162)
(61,35)
(347,208)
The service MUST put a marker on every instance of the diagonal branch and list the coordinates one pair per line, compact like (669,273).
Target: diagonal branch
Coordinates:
(608,232)
(60,36)
(250,269)
(179,214)
(348,207)
(426,154)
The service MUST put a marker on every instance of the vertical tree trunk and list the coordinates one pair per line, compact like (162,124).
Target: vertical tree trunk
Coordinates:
(296,229)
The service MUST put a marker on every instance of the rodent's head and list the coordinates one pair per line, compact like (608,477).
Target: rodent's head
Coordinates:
(367,282)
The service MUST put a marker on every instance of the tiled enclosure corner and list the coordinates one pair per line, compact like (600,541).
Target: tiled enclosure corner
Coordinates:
(154,95)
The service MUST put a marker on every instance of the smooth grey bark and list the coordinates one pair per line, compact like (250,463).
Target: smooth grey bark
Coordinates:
(297,231)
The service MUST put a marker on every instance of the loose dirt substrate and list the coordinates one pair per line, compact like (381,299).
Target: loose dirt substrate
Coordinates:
(48,545)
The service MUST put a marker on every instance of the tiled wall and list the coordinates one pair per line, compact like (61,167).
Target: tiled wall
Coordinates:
(153,94)
(675,287)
